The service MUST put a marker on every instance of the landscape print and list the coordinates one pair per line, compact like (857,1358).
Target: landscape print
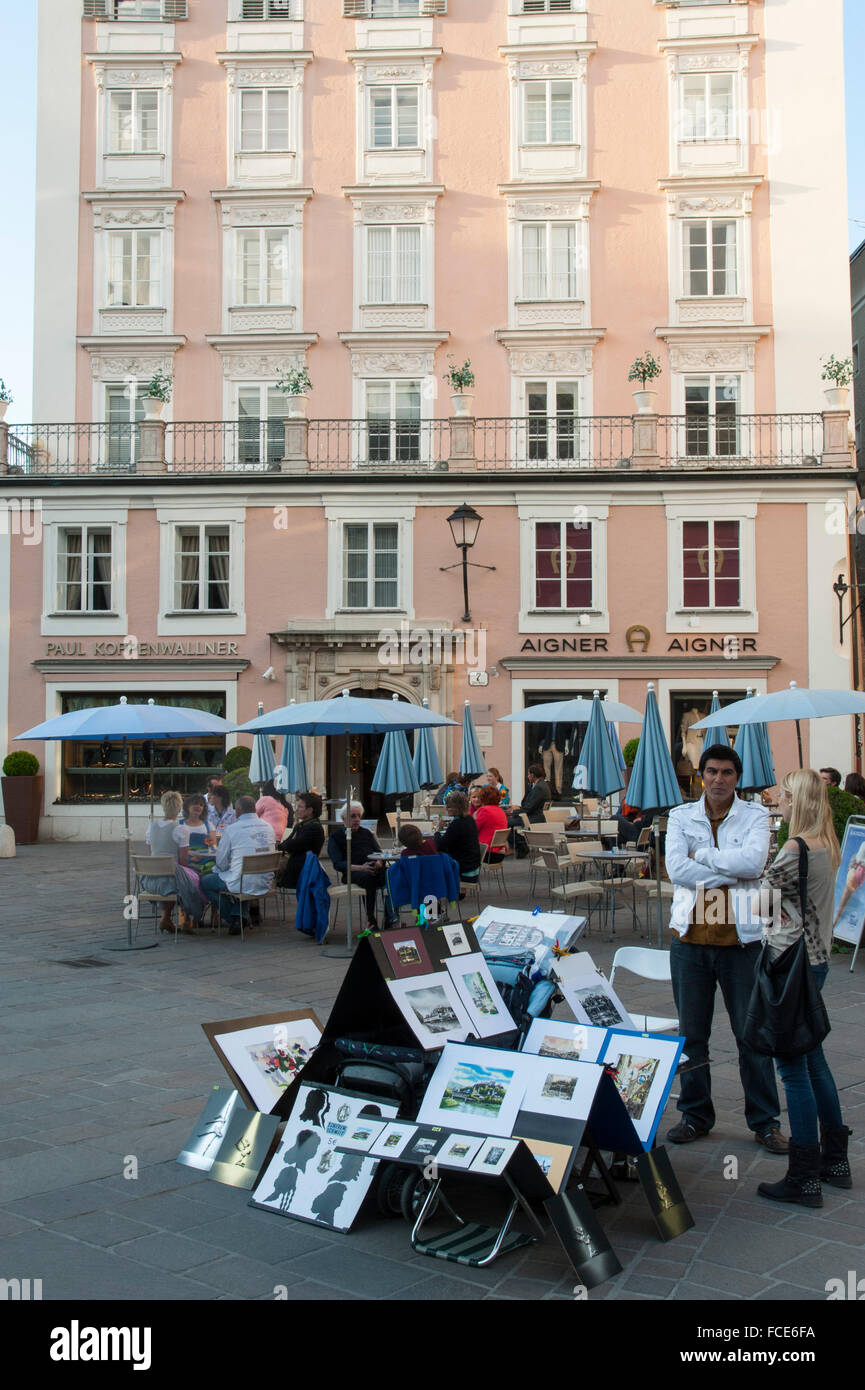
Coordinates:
(567,1049)
(475,988)
(474,1090)
(433,1009)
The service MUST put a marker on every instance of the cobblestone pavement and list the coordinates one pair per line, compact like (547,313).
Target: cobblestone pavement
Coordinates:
(109,1060)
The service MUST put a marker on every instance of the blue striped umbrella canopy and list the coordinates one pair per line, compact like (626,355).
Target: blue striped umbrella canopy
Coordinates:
(614,740)
(428,769)
(394,772)
(263,763)
(597,768)
(795,703)
(653,785)
(720,734)
(291,773)
(471,758)
(751,745)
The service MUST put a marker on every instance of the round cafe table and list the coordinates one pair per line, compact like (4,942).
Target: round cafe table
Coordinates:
(609,859)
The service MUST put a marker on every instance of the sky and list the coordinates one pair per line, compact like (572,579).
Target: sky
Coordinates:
(18,127)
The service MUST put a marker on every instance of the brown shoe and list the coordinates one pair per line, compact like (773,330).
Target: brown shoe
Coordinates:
(773,1141)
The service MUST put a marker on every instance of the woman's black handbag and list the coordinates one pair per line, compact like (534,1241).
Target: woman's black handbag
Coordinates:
(786,1015)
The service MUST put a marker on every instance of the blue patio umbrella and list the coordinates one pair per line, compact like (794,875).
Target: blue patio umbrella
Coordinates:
(262,764)
(575,711)
(720,735)
(653,785)
(597,768)
(346,714)
(126,721)
(428,769)
(291,771)
(751,745)
(614,740)
(471,758)
(394,773)
(795,703)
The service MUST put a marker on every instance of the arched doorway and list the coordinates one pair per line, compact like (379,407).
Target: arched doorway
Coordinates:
(364,750)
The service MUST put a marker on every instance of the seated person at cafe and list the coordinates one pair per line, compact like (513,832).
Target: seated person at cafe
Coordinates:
(247,834)
(532,805)
(459,838)
(498,782)
(475,793)
(307,835)
(415,842)
(167,838)
(452,783)
(631,822)
(200,835)
(276,808)
(369,876)
(221,813)
(489,817)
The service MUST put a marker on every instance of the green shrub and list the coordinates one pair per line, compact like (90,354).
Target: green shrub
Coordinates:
(20,764)
(241,756)
(843,804)
(238,784)
(629,752)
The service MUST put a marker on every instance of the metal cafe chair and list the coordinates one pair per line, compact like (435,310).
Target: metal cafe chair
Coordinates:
(498,842)
(154,866)
(252,864)
(592,892)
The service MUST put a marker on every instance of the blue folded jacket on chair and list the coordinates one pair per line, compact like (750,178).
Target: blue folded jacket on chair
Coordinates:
(420,876)
(313,898)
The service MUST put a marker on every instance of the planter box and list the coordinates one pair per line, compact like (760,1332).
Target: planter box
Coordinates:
(22,803)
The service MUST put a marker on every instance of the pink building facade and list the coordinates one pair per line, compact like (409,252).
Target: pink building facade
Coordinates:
(229,190)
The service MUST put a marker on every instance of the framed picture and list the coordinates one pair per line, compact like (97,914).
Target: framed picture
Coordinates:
(406,953)
(562,1088)
(849,906)
(457,942)
(502,930)
(431,1007)
(554,1160)
(642,1066)
(244,1148)
(392,1140)
(566,1042)
(593,1000)
(459,1150)
(209,1129)
(493,1155)
(362,1134)
(306,1178)
(479,1087)
(264,1054)
(479,995)
(426,1144)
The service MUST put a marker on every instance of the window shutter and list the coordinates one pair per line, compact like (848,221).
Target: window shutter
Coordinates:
(96,9)
(174,9)
(429,7)
(355,9)
(253,9)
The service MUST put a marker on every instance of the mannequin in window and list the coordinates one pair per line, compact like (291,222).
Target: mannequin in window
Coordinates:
(555,743)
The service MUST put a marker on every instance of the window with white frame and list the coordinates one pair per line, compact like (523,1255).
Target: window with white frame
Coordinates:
(84,561)
(548,112)
(393,9)
(133,120)
(370,564)
(263,264)
(167,10)
(563,565)
(393,421)
(544,6)
(394,117)
(260,431)
(202,568)
(264,121)
(551,420)
(124,409)
(711,564)
(710,248)
(134,269)
(393,265)
(707,109)
(549,260)
(270,9)
(712,415)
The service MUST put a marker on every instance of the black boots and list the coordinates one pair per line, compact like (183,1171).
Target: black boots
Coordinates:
(834,1168)
(801,1183)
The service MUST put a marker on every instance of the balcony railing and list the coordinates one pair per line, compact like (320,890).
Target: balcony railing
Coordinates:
(393,447)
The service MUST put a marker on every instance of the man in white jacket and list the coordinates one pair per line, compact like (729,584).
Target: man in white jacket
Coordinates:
(716,851)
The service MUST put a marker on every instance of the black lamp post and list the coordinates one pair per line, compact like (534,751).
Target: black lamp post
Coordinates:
(840,588)
(465,523)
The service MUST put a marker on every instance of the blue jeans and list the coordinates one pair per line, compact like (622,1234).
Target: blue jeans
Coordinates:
(697,971)
(211,886)
(810,1088)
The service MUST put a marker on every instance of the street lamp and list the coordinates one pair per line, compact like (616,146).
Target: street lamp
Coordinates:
(840,588)
(465,523)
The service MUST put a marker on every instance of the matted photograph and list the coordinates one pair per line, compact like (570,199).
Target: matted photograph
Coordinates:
(306,1177)
(642,1066)
(362,1135)
(562,1088)
(477,1087)
(479,994)
(406,953)
(392,1140)
(569,1042)
(432,1009)
(459,1150)
(593,1000)
(505,930)
(554,1160)
(264,1054)
(493,1156)
(244,1148)
(457,942)
(210,1128)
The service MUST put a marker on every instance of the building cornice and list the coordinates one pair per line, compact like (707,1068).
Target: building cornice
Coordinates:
(251,342)
(700,42)
(554,337)
(374,339)
(134,59)
(711,183)
(135,197)
(114,342)
(546,188)
(381,192)
(370,57)
(276,194)
(720,332)
(66,666)
(281,58)
(642,662)
(530,51)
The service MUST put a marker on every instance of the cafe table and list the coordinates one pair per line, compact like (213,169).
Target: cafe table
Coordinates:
(609,860)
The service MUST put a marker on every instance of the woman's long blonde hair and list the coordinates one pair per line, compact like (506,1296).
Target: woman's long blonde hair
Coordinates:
(812,814)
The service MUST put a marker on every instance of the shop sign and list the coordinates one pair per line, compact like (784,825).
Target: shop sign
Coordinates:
(131,648)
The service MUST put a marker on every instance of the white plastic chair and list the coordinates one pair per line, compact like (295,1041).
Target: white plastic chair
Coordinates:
(649,964)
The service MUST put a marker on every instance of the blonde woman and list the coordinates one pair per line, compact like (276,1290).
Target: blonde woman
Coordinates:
(168,838)
(811,1092)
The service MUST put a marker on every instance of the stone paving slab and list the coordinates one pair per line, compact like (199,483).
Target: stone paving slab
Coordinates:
(129,1070)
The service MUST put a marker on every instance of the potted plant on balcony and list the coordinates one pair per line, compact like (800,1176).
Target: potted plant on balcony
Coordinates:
(156,393)
(644,369)
(841,372)
(6,397)
(22,795)
(295,384)
(461,380)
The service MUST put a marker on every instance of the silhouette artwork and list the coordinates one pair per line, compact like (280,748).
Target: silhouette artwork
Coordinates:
(294,1161)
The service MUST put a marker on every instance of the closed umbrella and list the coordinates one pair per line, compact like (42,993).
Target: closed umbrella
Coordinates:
(749,746)
(653,785)
(471,758)
(124,722)
(721,735)
(427,767)
(576,711)
(597,768)
(291,772)
(394,773)
(796,703)
(262,764)
(614,739)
